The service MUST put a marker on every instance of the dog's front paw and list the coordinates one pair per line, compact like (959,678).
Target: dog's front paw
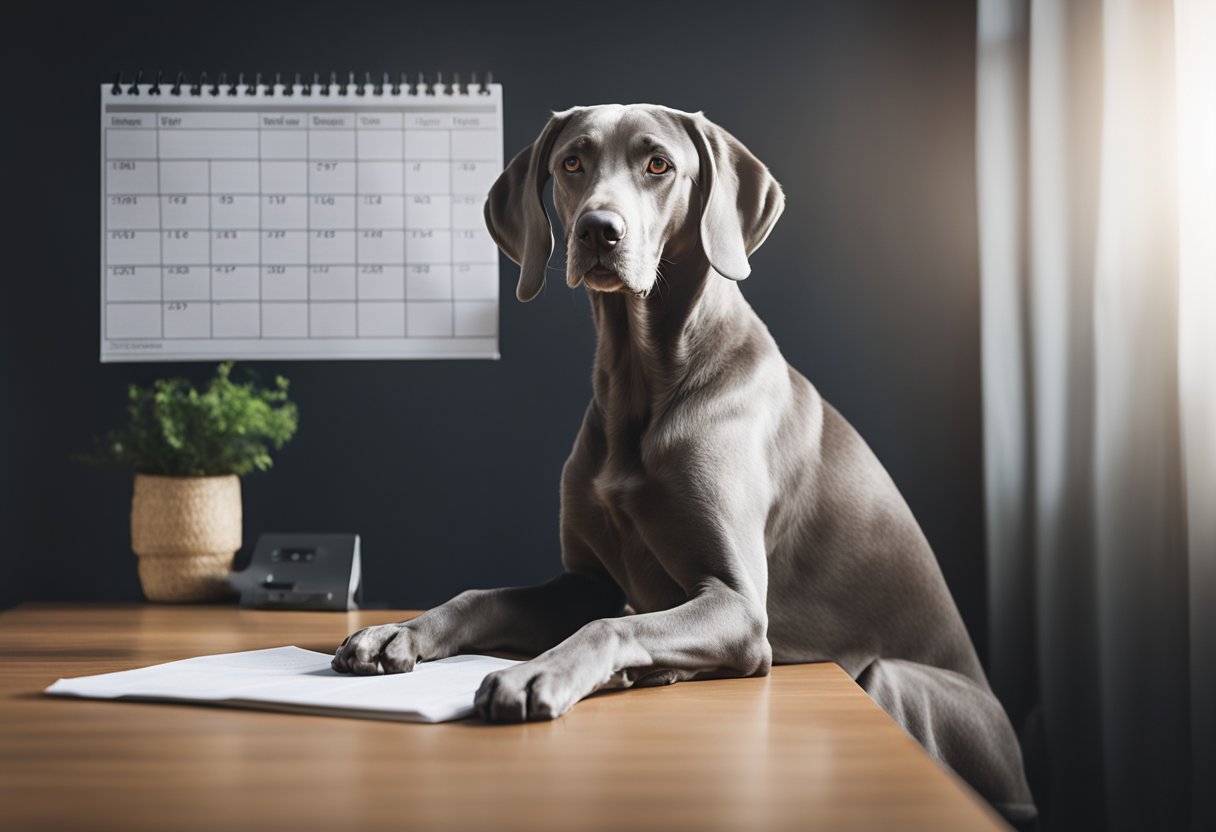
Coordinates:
(387,648)
(524,693)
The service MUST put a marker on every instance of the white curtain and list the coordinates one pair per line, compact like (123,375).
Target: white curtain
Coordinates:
(1096,151)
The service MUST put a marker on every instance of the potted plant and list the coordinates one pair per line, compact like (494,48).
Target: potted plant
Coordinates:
(189,449)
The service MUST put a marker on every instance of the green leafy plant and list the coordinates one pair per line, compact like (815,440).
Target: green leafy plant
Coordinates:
(175,430)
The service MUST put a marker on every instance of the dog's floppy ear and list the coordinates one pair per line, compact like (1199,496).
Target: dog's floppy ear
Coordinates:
(740,199)
(515,210)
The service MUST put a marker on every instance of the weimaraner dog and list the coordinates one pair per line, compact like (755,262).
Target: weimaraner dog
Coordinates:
(717,515)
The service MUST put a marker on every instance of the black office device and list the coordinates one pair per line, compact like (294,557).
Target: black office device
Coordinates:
(302,572)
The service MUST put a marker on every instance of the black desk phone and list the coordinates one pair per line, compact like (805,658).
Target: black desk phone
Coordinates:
(302,572)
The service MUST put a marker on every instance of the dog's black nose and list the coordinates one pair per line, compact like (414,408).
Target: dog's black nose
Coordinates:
(600,229)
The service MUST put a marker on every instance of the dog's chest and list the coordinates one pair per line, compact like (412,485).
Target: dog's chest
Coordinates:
(614,530)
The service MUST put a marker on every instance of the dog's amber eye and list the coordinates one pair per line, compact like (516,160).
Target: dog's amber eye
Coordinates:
(658,166)
(572,164)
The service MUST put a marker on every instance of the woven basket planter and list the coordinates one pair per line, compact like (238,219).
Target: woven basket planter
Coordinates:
(185,531)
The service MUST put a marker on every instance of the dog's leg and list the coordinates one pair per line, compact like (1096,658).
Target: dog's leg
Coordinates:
(719,631)
(958,722)
(516,619)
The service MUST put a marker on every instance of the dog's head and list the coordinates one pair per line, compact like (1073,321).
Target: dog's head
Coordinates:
(634,185)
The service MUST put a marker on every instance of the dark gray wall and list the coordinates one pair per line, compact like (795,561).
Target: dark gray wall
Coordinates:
(449,470)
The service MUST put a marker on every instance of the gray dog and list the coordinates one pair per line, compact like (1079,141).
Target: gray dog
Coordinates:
(717,515)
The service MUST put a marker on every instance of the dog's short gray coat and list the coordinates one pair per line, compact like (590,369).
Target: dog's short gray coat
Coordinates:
(717,515)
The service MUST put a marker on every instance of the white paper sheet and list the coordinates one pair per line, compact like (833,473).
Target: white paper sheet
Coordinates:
(300,681)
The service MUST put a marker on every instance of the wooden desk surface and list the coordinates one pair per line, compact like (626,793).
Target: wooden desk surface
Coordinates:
(803,748)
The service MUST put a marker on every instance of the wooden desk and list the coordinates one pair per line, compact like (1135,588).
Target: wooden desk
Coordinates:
(804,748)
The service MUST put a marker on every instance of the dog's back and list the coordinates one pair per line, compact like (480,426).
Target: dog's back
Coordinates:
(851,576)
(852,579)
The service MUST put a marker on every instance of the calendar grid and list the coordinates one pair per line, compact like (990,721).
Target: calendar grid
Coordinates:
(333,228)
(452,225)
(308,229)
(359,232)
(210,267)
(406,161)
(160,240)
(261,272)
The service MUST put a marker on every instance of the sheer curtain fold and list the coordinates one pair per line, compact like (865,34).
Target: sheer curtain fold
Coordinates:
(1096,151)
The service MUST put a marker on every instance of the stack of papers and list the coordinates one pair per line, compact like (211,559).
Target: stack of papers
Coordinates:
(299,681)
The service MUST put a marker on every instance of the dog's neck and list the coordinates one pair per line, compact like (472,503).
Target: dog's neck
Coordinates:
(651,348)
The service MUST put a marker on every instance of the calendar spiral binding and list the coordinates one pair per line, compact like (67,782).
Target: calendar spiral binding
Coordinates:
(337,85)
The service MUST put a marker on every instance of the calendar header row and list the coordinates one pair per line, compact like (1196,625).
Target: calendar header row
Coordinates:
(417,117)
